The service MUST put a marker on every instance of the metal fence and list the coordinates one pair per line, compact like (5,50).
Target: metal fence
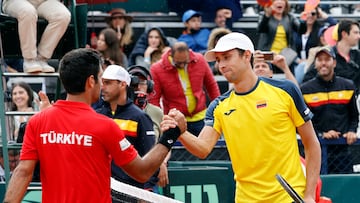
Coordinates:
(337,157)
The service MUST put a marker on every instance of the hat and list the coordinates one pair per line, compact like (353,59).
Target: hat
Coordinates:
(115,72)
(228,42)
(326,49)
(331,35)
(189,14)
(322,30)
(118,12)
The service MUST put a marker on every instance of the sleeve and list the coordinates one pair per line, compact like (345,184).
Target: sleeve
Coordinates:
(139,49)
(263,23)
(120,149)
(299,112)
(146,135)
(353,113)
(211,119)
(331,21)
(29,149)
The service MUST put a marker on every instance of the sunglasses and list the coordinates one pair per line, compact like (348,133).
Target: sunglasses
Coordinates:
(313,13)
(180,64)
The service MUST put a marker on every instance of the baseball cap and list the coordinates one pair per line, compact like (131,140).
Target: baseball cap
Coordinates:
(115,72)
(326,49)
(322,30)
(189,14)
(228,42)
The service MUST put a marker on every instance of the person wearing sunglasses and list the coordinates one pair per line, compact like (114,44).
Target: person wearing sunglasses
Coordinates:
(183,80)
(314,19)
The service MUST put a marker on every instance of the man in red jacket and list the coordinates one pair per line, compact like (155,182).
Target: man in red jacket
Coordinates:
(181,79)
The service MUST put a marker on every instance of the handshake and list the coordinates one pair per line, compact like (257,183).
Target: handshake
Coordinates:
(172,126)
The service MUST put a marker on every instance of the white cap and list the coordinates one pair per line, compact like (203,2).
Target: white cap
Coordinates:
(115,72)
(228,42)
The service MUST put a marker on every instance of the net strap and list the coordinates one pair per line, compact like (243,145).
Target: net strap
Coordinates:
(140,193)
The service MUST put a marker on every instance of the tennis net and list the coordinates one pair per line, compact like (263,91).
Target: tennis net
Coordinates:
(129,194)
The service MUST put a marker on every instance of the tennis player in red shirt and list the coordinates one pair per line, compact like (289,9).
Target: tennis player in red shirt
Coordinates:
(75,145)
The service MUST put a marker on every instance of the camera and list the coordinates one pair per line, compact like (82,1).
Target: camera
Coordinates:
(268,55)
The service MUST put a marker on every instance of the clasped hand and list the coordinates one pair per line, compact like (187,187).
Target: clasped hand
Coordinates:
(172,119)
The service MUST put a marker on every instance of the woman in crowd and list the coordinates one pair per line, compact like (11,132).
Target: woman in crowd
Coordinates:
(121,23)
(149,48)
(107,45)
(22,100)
(315,19)
(276,27)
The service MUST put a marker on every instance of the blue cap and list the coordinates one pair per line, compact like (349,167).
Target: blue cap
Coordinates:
(322,30)
(189,14)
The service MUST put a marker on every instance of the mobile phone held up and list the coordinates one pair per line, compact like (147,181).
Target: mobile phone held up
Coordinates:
(268,55)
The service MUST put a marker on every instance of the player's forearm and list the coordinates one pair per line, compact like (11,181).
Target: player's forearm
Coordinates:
(313,163)
(17,186)
(194,145)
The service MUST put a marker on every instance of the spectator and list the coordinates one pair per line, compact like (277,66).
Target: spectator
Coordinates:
(108,46)
(67,164)
(215,35)
(26,12)
(264,68)
(183,69)
(135,123)
(258,119)
(276,27)
(309,39)
(142,88)
(332,99)
(193,35)
(347,58)
(22,100)
(149,47)
(13,156)
(14,65)
(121,23)
(303,67)
(223,18)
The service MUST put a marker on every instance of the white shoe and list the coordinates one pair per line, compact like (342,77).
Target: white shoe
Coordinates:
(31,66)
(46,68)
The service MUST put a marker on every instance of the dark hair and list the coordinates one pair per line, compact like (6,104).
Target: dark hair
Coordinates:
(179,47)
(345,25)
(29,92)
(241,53)
(76,66)
(113,52)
